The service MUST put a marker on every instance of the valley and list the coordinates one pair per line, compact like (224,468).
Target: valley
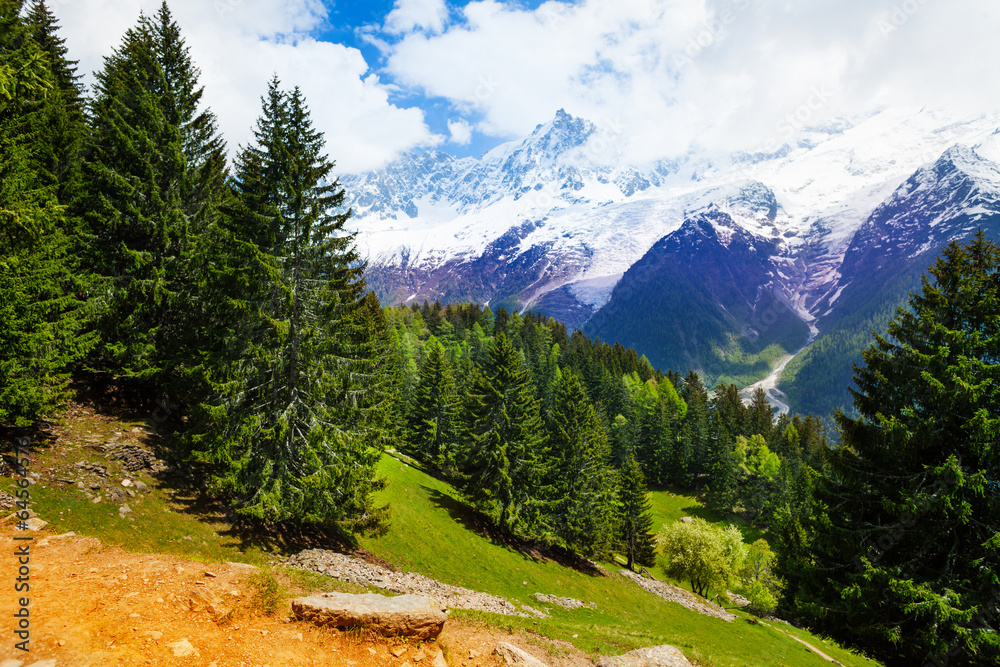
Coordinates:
(553,225)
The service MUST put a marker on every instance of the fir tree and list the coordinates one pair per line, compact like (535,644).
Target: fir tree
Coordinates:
(154,177)
(432,419)
(40,338)
(695,439)
(583,487)
(304,416)
(636,519)
(903,557)
(502,463)
(760,415)
(61,126)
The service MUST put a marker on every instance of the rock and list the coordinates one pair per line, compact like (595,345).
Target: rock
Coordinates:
(43,663)
(568,603)
(35,523)
(398,651)
(126,482)
(240,566)
(140,486)
(7,502)
(686,519)
(124,509)
(515,657)
(439,660)
(653,656)
(11,662)
(183,649)
(201,598)
(405,616)
(419,655)
(133,457)
(153,634)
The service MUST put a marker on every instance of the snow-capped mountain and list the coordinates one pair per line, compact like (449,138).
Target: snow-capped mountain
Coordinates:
(553,222)
(949,199)
(561,211)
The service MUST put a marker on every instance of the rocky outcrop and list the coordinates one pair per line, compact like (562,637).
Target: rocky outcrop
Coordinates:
(403,616)
(653,656)
(512,656)
(356,571)
(679,595)
(566,603)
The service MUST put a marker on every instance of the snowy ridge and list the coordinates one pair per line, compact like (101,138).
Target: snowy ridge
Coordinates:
(560,210)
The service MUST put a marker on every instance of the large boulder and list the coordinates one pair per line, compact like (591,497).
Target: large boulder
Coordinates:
(514,657)
(402,616)
(653,656)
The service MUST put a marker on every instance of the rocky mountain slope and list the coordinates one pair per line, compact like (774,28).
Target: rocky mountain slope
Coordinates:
(687,255)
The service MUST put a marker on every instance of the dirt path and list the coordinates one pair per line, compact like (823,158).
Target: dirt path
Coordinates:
(98,606)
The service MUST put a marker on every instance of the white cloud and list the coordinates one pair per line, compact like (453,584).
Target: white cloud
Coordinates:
(239,44)
(461,131)
(723,74)
(407,15)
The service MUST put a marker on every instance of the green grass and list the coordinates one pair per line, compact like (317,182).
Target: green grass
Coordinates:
(432,533)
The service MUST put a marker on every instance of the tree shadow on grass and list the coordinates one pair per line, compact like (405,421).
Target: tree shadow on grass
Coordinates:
(482,525)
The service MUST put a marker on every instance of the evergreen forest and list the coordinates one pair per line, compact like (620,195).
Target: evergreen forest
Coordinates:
(135,254)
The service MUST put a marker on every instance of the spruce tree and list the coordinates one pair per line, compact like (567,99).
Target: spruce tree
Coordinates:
(636,519)
(760,415)
(154,173)
(502,462)
(695,439)
(61,123)
(581,513)
(432,419)
(304,414)
(40,335)
(903,556)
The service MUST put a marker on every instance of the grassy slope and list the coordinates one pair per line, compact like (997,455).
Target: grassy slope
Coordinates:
(428,535)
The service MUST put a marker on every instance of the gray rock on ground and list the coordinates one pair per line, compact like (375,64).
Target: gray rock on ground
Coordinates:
(566,603)
(402,616)
(652,656)
(512,656)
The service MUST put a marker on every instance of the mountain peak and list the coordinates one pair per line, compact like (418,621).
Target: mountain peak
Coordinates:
(564,132)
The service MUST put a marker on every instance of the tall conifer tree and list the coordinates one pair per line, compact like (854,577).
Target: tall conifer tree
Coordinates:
(40,334)
(154,174)
(583,488)
(636,520)
(304,415)
(905,559)
(433,413)
(502,465)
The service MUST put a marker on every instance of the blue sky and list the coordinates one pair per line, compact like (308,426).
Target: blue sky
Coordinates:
(350,23)
(662,76)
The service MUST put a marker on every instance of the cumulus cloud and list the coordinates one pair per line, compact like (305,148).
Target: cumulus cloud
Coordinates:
(723,74)
(239,44)
(461,131)
(407,15)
